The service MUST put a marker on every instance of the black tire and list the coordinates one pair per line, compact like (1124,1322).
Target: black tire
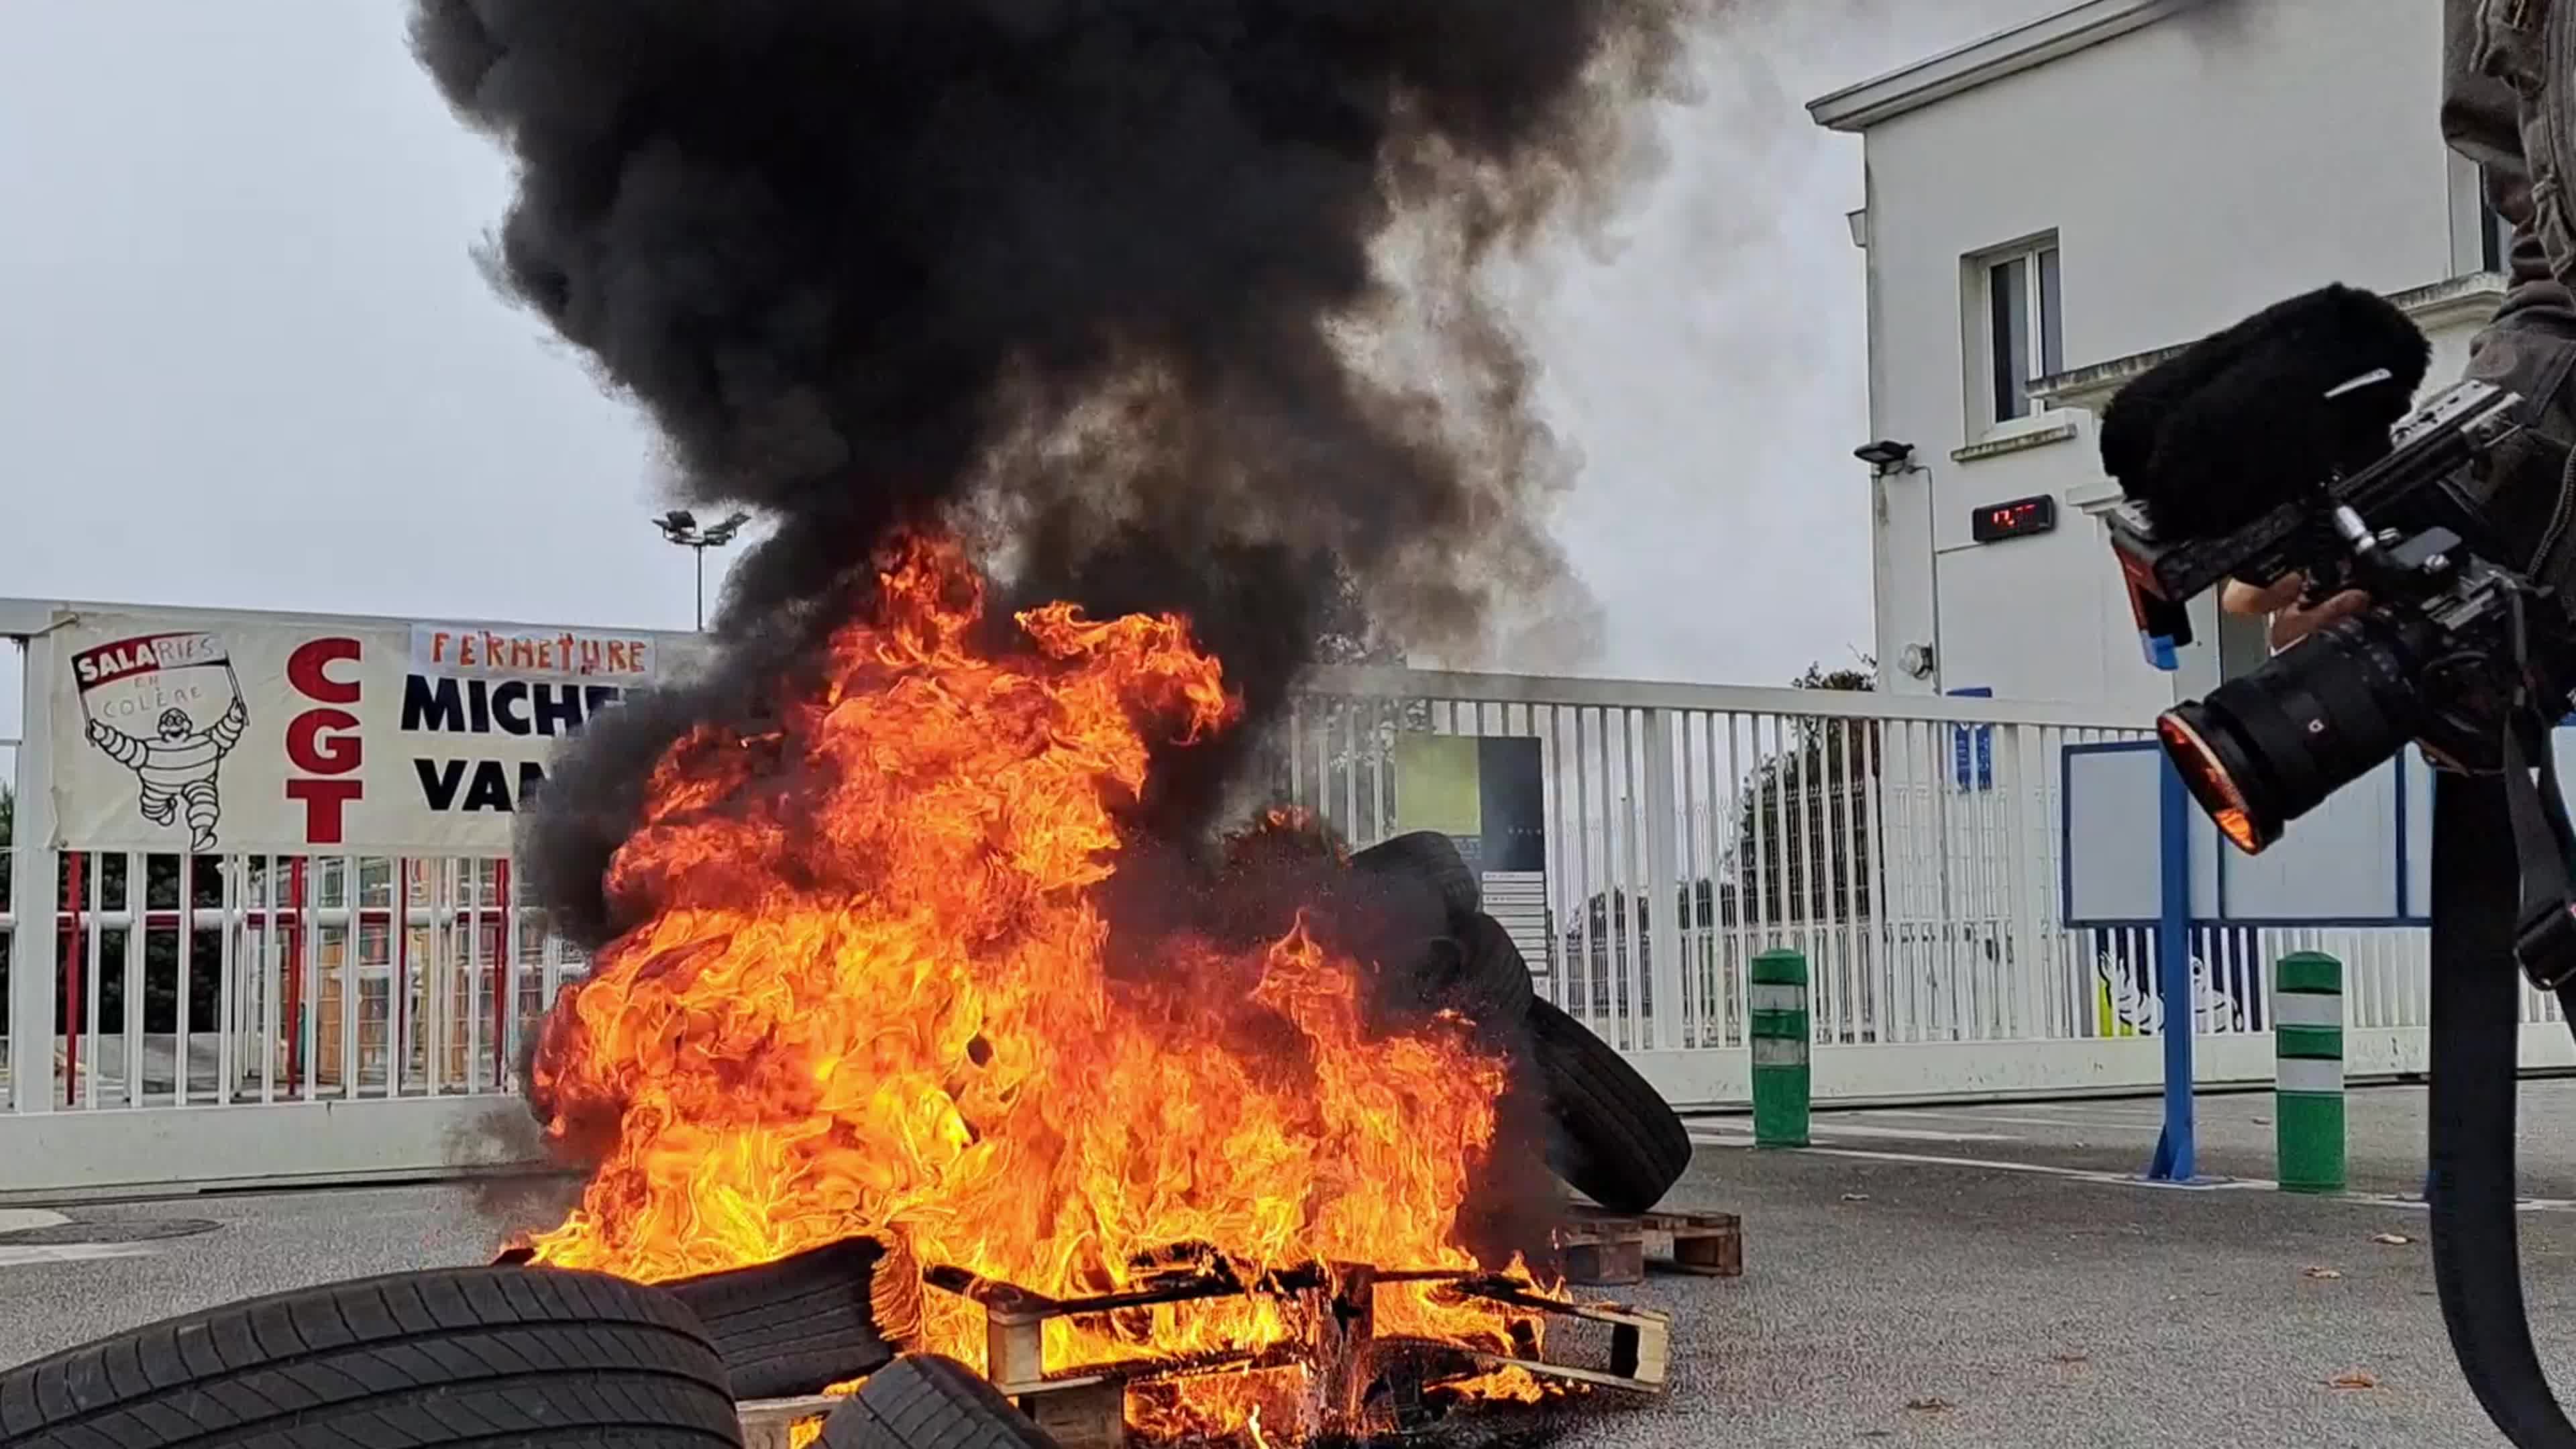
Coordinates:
(1617,1141)
(796,1326)
(482,1356)
(1492,984)
(927,1402)
(1430,857)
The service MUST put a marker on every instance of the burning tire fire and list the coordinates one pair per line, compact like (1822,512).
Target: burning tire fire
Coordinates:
(904,920)
(888,991)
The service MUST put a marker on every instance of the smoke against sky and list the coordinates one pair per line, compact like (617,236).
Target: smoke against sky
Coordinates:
(251,361)
(1711,369)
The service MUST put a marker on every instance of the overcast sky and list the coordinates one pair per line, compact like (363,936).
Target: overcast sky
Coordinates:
(246,359)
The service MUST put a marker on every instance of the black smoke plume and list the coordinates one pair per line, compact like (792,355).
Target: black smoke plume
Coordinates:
(1164,304)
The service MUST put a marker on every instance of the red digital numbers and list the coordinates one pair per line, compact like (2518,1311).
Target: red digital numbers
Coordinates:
(2015,519)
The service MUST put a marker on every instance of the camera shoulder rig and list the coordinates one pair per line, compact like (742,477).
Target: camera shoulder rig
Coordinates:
(2502,886)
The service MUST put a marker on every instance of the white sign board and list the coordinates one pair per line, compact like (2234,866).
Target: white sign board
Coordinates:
(2112,844)
(202,732)
(2356,860)
(2336,865)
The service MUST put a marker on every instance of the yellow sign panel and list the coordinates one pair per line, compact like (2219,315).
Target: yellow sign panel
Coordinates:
(1436,785)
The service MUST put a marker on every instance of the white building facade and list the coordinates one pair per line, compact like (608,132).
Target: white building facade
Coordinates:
(2051,210)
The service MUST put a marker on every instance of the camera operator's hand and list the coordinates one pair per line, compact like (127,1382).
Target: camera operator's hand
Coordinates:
(2280,602)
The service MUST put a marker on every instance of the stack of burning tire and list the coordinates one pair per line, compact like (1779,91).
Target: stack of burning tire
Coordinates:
(1614,1138)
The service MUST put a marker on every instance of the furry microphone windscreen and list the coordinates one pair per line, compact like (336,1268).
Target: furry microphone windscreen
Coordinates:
(2247,418)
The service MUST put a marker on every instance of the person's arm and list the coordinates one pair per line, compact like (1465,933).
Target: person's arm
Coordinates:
(2530,345)
(2280,603)
(2481,119)
(2528,348)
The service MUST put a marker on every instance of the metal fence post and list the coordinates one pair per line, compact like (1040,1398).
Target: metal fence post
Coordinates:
(33,889)
(1782,1037)
(1660,819)
(2177,1147)
(2030,883)
(2307,1036)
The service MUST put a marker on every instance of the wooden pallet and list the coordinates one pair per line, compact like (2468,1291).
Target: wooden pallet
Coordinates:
(1604,1249)
(771,1423)
(1085,1407)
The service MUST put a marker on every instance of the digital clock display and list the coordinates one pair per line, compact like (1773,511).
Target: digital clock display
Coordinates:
(2017,519)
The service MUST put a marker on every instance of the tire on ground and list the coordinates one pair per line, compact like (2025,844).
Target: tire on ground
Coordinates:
(924,1401)
(1492,980)
(796,1326)
(1616,1140)
(1433,858)
(480,1356)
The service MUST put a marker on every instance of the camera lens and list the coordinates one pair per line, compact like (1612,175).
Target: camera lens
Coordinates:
(2265,749)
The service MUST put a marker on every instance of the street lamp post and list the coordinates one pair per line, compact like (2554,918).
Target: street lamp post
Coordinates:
(680,526)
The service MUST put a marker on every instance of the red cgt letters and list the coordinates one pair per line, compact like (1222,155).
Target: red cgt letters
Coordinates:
(323,741)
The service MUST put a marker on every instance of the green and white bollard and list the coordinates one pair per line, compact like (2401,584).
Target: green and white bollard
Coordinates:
(2307,1037)
(1780,1039)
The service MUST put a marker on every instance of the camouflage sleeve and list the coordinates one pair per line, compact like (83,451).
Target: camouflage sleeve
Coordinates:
(2530,345)
(2480,117)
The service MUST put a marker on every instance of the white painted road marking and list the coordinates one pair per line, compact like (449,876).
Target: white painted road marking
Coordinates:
(19,1220)
(1844,1128)
(2063,1124)
(1834,1127)
(1984,1164)
(30,1254)
(2109,1179)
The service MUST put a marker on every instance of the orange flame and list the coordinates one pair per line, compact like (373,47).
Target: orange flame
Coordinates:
(876,1000)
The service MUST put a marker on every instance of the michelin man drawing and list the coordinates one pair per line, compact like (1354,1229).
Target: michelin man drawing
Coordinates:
(177,766)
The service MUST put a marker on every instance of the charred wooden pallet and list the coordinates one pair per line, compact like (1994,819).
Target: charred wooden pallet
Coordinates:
(771,1423)
(1601,1249)
(1086,1407)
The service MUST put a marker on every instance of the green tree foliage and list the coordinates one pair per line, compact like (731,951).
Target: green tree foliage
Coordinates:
(1802,843)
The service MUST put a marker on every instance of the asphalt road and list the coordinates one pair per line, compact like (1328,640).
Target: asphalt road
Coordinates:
(1988,1276)
(2005,1282)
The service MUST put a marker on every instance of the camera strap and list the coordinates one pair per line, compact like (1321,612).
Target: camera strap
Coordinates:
(2500,857)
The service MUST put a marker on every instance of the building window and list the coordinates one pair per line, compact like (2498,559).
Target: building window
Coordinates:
(2495,238)
(2024,325)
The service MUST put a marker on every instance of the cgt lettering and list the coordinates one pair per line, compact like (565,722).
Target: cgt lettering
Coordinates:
(323,741)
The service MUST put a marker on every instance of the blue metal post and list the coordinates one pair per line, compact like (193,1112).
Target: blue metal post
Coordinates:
(2174,1160)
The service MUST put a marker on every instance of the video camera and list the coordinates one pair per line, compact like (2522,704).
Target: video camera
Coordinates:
(2454,646)
(2436,658)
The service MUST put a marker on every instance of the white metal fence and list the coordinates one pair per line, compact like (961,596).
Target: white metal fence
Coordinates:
(209,981)
(1911,848)
(255,1017)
